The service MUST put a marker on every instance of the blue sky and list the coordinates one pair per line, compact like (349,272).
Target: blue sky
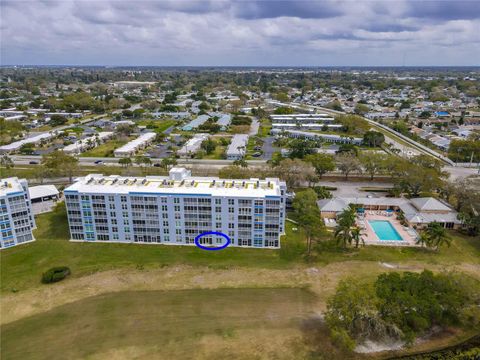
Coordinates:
(317,33)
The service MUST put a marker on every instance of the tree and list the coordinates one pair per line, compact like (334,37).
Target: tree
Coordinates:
(294,172)
(373,163)
(300,148)
(124,129)
(59,163)
(57,120)
(143,162)
(6,161)
(283,110)
(361,109)
(353,124)
(27,149)
(234,172)
(352,313)
(347,163)
(437,235)
(308,215)
(373,138)
(414,179)
(125,162)
(322,163)
(241,163)
(209,145)
(356,234)
(322,192)
(168,162)
(465,196)
(415,302)
(345,224)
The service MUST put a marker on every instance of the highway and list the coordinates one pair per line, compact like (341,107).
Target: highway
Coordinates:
(454,171)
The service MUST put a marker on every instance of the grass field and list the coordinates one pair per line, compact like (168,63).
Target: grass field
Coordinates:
(218,153)
(106,149)
(207,323)
(157,125)
(22,266)
(126,301)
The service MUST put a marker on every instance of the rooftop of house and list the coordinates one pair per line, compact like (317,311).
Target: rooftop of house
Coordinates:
(415,210)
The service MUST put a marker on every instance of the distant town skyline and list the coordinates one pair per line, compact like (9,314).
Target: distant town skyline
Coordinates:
(240,33)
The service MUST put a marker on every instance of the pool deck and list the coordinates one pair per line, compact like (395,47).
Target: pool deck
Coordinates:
(370,238)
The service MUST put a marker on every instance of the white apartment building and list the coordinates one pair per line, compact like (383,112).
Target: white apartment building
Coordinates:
(16,216)
(301,118)
(238,147)
(193,145)
(130,148)
(297,134)
(176,209)
(88,143)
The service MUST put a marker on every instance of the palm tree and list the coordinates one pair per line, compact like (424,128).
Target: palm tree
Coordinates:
(423,239)
(343,231)
(342,235)
(356,234)
(437,235)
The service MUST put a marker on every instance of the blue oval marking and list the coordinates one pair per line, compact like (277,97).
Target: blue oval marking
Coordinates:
(198,237)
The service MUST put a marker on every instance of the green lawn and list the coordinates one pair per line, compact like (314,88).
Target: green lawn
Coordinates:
(159,125)
(218,154)
(265,127)
(160,324)
(21,267)
(106,149)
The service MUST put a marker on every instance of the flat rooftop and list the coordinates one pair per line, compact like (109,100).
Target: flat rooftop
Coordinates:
(9,186)
(188,185)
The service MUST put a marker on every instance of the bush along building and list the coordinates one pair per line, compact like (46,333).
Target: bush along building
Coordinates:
(176,209)
(16,216)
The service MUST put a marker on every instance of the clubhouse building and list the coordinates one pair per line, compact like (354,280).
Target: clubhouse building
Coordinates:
(417,212)
(175,209)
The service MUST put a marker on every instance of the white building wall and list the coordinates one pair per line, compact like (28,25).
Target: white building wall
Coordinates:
(16,215)
(175,218)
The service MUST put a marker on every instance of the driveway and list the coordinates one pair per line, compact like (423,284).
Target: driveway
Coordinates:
(268,148)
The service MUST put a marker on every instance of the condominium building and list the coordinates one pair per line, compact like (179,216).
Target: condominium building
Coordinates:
(16,216)
(176,209)
(301,118)
(193,145)
(238,147)
(130,148)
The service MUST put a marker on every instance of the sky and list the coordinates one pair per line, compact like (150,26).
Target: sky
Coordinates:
(240,33)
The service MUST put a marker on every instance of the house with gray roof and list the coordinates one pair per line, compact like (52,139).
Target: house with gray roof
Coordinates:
(418,212)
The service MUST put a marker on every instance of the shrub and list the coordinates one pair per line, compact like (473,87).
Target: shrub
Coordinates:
(55,274)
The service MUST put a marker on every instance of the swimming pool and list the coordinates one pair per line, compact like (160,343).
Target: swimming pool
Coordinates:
(384,230)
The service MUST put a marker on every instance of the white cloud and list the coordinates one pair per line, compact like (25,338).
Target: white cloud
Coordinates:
(236,33)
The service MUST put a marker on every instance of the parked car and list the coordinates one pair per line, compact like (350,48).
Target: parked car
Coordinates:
(157,165)
(257,154)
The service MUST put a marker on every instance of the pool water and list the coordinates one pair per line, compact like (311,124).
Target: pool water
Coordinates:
(384,230)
